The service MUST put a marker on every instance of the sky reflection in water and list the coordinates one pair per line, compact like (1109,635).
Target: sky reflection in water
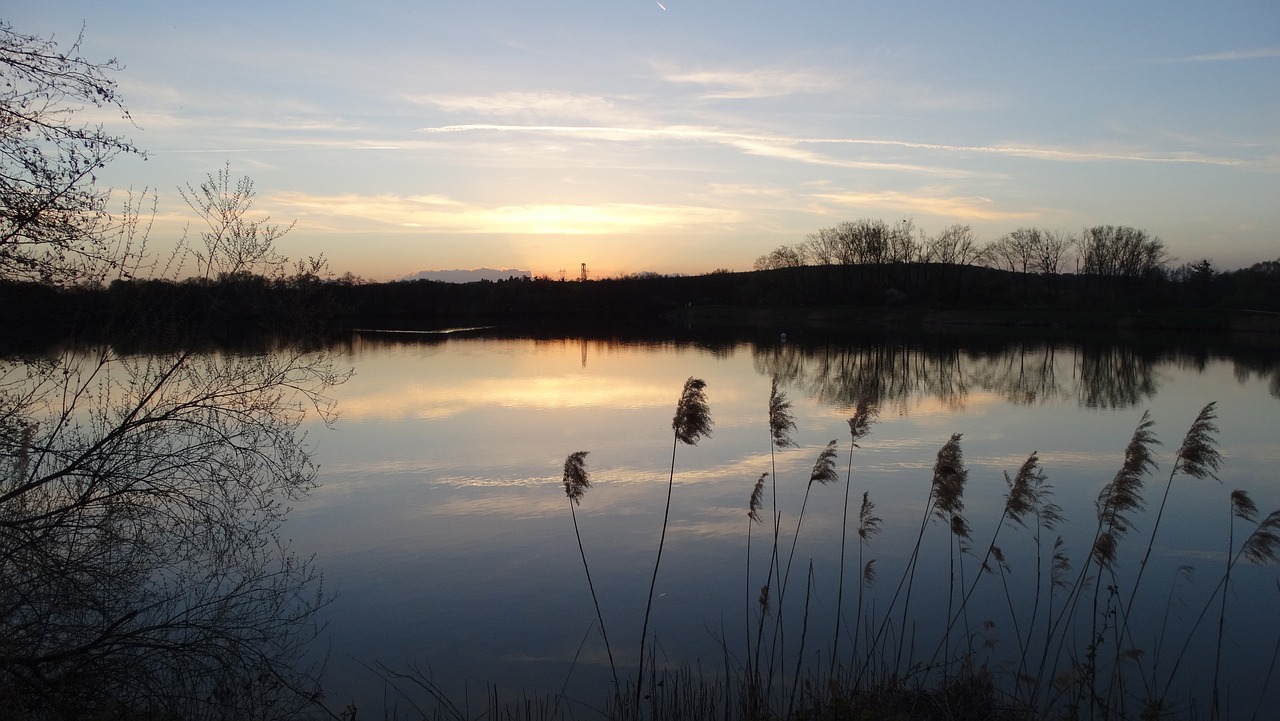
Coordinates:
(443,528)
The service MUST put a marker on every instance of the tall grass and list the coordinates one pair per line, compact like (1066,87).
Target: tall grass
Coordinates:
(1075,650)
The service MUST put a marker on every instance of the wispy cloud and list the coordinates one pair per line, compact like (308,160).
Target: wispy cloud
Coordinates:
(1232,55)
(1043,153)
(525,105)
(922,203)
(433,213)
(794,148)
(763,145)
(743,84)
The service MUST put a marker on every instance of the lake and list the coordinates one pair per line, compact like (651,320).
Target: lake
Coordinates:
(445,535)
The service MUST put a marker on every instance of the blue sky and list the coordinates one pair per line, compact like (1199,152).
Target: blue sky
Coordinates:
(688,136)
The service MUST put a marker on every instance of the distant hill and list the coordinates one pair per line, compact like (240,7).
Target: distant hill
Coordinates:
(470,276)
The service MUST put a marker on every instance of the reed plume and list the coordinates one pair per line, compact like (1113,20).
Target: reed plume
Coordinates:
(693,416)
(576,483)
(1263,545)
(1243,507)
(691,422)
(576,479)
(781,420)
(781,424)
(757,499)
(824,469)
(947,492)
(1197,457)
(1123,495)
(868,524)
(753,515)
(1021,498)
(949,476)
(823,473)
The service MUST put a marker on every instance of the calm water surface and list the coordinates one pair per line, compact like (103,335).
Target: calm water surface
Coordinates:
(445,536)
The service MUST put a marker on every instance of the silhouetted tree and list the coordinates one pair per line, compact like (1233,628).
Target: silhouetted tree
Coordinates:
(54,222)
(142,574)
(954,245)
(1121,251)
(784,256)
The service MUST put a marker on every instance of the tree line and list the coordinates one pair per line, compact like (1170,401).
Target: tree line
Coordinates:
(1103,250)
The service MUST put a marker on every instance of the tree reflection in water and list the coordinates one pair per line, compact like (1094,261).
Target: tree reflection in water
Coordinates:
(1093,375)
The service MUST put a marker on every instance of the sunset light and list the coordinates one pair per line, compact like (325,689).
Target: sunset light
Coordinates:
(686,137)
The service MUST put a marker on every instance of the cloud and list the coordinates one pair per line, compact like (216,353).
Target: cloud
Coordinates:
(864,87)
(1232,55)
(744,84)
(952,206)
(434,213)
(758,144)
(794,148)
(525,105)
(1044,153)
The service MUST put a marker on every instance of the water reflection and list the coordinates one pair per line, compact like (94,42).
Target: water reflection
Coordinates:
(1103,376)
(442,522)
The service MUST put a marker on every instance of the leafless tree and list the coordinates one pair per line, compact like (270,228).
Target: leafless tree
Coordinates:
(141,568)
(1121,251)
(1050,250)
(859,242)
(142,573)
(54,219)
(784,256)
(232,243)
(954,245)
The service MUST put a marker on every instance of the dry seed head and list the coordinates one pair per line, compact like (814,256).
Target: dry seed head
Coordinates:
(693,417)
(1104,549)
(959,526)
(860,423)
(998,554)
(824,469)
(1048,512)
(949,476)
(1199,457)
(764,599)
(781,421)
(1263,544)
(868,522)
(1242,506)
(1061,564)
(576,479)
(1124,493)
(869,572)
(757,499)
(1021,498)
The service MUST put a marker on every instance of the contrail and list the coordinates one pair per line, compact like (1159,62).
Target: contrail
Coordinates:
(664,7)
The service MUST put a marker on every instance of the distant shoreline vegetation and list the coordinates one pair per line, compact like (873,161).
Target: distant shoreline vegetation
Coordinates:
(916,296)
(459,275)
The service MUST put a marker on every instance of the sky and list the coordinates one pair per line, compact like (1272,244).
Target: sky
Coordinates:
(684,137)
